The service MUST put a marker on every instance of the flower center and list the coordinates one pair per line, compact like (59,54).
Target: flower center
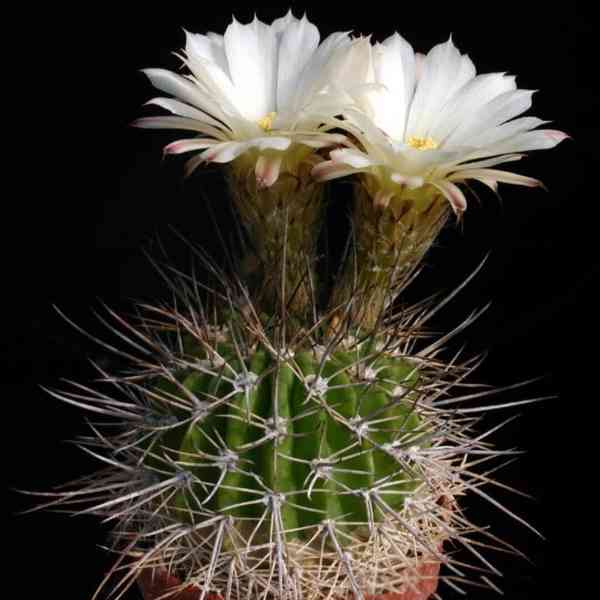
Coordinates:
(420,143)
(266,122)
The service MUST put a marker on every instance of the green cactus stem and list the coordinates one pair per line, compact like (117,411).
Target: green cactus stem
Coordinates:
(316,432)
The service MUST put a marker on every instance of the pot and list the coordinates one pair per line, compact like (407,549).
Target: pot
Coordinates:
(154,583)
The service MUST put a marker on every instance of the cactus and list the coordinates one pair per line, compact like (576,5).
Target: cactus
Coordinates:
(277,434)
(243,462)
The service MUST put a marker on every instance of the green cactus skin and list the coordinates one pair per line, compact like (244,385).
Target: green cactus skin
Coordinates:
(247,462)
(278,429)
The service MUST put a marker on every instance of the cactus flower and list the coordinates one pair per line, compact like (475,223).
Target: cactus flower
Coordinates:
(432,121)
(265,91)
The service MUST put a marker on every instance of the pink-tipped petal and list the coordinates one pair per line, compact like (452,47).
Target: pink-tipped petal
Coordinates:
(267,169)
(181,146)
(454,195)
(225,152)
(557,136)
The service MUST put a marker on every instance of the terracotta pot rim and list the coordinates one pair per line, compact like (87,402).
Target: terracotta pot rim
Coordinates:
(154,583)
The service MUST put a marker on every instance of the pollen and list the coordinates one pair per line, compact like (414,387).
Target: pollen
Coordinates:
(422,143)
(266,122)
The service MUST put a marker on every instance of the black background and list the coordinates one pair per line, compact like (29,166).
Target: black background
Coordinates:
(85,194)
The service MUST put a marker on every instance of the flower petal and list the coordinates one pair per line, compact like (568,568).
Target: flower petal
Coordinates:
(453,194)
(184,110)
(497,176)
(185,90)
(394,69)
(352,158)
(469,99)
(497,111)
(225,152)
(251,52)
(505,131)
(181,146)
(208,47)
(175,123)
(315,77)
(489,162)
(327,170)
(267,169)
(297,43)
(444,71)
(540,139)
(410,182)
(271,142)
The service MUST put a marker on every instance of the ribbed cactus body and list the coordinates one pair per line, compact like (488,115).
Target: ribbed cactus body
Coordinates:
(307,435)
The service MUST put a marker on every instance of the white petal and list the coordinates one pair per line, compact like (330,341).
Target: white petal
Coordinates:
(176,123)
(297,43)
(328,170)
(184,110)
(314,78)
(495,175)
(214,83)
(453,194)
(468,100)
(185,90)
(410,182)
(443,72)
(505,131)
(490,162)
(279,24)
(419,62)
(225,152)
(540,139)
(252,56)
(352,158)
(347,67)
(208,47)
(360,125)
(271,142)
(497,111)
(410,161)
(394,68)
(321,140)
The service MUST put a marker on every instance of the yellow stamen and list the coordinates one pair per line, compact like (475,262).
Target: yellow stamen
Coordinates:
(267,121)
(422,143)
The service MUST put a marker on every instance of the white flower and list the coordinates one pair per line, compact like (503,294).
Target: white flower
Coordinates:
(431,120)
(266,90)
